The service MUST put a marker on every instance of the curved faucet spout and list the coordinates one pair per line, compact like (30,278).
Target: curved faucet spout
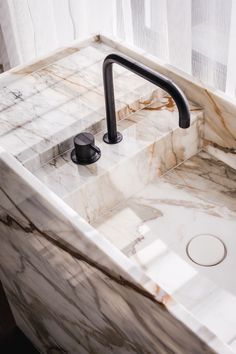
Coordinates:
(112,136)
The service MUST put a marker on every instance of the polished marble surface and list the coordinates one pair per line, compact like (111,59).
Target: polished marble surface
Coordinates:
(151,145)
(41,108)
(154,226)
(64,269)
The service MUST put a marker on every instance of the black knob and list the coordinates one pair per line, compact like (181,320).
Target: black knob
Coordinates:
(85,152)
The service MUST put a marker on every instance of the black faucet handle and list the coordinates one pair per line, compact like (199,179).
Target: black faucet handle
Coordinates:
(85,151)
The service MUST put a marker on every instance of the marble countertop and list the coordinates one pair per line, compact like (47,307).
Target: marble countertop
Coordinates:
(41,107)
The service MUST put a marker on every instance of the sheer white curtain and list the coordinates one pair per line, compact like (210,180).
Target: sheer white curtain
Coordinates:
(196,36)
(32,28)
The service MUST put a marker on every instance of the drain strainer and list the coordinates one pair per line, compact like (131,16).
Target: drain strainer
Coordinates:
(206,250)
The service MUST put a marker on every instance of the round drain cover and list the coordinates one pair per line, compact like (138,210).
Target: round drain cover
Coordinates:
(206,250)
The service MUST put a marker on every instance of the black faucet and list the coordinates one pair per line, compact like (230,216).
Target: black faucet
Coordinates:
(113,136)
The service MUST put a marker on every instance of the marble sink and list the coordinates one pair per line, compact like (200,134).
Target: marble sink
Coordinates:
(98,252)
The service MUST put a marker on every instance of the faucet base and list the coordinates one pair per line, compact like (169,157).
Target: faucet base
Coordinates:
(83,162)
(118,138)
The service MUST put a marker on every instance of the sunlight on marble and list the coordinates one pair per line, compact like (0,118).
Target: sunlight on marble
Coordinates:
(170,271)
(148,254)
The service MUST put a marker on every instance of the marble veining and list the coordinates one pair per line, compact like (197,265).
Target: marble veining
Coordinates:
(40,111)
(220,110)
(68,297)
(162,218)
(98,277)
(151,144)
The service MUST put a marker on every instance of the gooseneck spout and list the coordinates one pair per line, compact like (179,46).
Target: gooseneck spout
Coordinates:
(112,136)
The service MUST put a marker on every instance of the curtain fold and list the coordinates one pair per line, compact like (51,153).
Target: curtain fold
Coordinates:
(196,36)
(32,28)
(231,62)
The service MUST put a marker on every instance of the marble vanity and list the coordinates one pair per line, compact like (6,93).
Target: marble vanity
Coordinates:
(93,258)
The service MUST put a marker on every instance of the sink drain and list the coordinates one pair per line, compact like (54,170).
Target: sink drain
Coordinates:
(206,250)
